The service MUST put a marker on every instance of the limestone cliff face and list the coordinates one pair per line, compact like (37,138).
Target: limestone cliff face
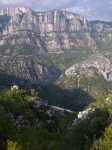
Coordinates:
(21,18)
(26,34)
(95,64)
(26,70)
(101,32)
(55,30)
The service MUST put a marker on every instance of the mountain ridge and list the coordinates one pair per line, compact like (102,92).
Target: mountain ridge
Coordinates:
(24,32)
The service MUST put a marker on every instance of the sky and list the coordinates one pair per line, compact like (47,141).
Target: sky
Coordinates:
(92,9)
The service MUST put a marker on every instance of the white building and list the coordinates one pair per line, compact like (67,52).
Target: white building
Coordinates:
(14,87)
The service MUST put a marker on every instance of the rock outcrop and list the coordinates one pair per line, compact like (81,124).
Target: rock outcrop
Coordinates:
(26,70)
(95,64)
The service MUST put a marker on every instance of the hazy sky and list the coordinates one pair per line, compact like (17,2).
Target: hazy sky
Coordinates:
(93,9)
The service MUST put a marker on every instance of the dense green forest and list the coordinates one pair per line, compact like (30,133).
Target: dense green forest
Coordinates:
(27,123)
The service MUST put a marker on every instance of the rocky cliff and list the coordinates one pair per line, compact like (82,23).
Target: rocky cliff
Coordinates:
(95,64)
(21,18)
(26,34)
(54,30)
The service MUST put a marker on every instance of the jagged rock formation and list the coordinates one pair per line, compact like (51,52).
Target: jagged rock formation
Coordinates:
(53,30)
(25,33)
(27,70)
(21,18)
(95,64)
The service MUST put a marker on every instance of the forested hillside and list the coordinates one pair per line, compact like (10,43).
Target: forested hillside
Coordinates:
(26,123)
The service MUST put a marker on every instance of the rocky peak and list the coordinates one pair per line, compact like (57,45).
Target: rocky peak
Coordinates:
(41,22)
(11,11)
(11,19)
